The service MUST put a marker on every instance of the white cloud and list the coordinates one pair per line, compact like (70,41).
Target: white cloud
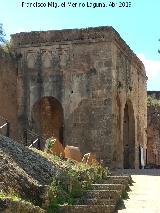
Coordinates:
(152,67)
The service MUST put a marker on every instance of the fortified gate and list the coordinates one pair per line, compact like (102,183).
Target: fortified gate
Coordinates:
(85,87)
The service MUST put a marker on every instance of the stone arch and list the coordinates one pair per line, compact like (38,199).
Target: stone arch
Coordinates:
(31,59)
(47,118)
(46,60)
(128,136)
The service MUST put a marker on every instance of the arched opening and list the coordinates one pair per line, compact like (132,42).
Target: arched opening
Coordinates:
(128,137)
(47,118)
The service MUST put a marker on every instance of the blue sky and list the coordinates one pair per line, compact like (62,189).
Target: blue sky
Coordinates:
(137,25)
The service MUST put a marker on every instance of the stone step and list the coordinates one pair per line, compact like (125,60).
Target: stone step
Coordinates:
(115,181)
(102,194)
(118,180)
(126,177)
(87,209)
(119,187)
(95,201)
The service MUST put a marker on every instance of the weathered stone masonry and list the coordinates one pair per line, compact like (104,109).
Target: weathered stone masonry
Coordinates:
(153,130)
(91,84)
(8,93)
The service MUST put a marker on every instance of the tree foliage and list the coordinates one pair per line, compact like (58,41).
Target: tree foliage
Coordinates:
(153,102)
(2,34)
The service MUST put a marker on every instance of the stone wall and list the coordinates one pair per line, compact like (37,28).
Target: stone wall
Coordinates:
(92,73)
(78,75)
(8,93)
(128,87)
(153,129)
(88,99)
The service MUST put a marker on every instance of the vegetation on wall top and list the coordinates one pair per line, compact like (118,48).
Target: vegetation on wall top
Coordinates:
(153,102)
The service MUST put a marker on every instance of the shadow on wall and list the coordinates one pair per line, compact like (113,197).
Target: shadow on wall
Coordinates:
(47,118)
(128,137)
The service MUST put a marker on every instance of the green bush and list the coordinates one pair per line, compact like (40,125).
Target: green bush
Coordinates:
(153,102)
(11,196)
(64,191)
(75,178)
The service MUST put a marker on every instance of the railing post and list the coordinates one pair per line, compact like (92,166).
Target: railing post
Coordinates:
(34,139)
(8,128)
(146,157)
(25,137)
(39,143)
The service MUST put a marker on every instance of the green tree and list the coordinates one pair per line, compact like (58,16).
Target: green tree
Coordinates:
(2,34)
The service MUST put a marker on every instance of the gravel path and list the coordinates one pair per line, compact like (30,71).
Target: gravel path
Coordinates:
(144,196)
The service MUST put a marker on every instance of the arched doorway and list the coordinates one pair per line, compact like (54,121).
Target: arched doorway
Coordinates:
(47,118)
(128,137)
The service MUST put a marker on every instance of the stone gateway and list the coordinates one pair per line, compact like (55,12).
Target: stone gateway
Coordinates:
(86,88)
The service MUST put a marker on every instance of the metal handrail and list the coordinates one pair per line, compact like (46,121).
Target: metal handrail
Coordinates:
(7,124)
(33,143)
(36,138)
(3,125)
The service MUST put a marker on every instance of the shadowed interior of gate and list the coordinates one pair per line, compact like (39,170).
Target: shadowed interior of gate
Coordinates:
(128,137)
(47,118)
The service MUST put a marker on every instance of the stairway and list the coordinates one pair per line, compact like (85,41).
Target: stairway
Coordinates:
(100,198)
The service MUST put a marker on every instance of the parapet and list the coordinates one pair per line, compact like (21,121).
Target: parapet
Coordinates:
(37,37)
(87,35)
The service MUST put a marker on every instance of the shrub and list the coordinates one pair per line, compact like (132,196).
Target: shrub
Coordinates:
(75,178)
(153,102)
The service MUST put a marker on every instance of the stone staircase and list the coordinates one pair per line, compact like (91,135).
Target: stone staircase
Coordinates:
(101,198)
